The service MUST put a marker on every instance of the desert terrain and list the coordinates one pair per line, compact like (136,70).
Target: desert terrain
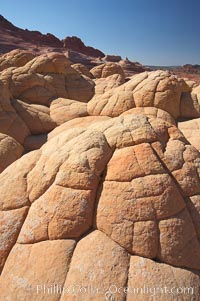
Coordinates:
(99,173)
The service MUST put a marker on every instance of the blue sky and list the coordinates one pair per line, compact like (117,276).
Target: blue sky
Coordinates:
(153,32)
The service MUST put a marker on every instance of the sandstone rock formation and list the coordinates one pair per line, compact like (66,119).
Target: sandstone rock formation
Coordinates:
(112,58)
(100,190)
(107,69)
(82,69)
(131,68)
(36,117)
(83,59)
(191,130)
(15,58)
(191,68)
(13,37)
(151,112)
(45,78)
(87,177)
(103,85)
(158,89)
(82,122)
(62,110)
(36,43)
(188,110)
(28,91)
(76,44)
(10,151)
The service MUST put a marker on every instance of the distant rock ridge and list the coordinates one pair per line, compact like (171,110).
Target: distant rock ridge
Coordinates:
(191,68)
(75,43)
(13,37)
(4,22)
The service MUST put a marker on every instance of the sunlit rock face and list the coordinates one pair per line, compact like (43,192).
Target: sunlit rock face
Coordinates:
(99,187)
(29,88)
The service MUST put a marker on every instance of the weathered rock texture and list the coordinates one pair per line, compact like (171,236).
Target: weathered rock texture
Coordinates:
(46,77)
(191,130)
(29,88)
(131,68)
(106,70)
(62,110)
(103,85)
(149,89)
(82,69)
(15,58)
(10,150)
(109,198)
(134,180)
(188,110)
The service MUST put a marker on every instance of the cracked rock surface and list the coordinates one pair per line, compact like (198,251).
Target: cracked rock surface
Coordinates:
(98,185)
